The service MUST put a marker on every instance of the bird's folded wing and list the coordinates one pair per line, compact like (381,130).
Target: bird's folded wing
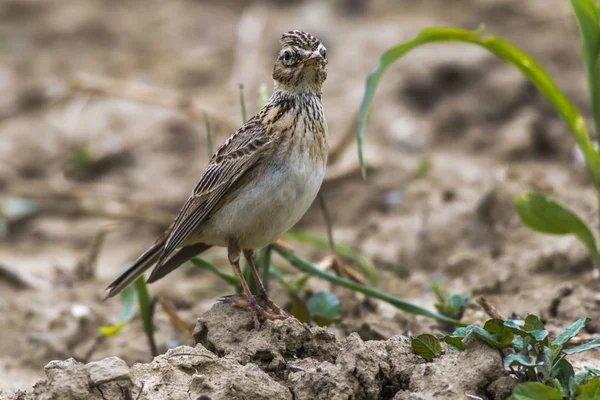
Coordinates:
(236,156)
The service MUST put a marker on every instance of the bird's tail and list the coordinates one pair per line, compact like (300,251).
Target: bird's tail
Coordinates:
(149,258)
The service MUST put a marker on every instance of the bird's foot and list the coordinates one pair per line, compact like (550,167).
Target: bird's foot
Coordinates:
(257,305)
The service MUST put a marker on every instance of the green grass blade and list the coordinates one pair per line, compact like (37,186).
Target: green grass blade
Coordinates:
(243,105)
(404,305)
(545,215)
(587,14)
(506,51)
(209,143)
(145,304)
(205,265)
(343,250)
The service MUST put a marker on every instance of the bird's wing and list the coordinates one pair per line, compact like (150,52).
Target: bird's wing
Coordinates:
(236,156)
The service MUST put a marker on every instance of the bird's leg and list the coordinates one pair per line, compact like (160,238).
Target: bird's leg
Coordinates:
(234,259)
(263,295)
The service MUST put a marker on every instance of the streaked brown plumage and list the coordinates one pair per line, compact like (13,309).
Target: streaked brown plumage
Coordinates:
(260,182)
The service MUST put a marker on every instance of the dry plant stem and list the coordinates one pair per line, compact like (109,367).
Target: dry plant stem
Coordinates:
(171,312)
(337,149)
(87,267)
(489,308)
(136,91)
(327,219)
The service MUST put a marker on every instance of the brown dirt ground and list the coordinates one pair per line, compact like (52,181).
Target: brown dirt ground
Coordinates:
(487,132)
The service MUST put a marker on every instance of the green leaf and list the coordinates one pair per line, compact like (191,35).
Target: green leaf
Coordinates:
(205,265)
(520,359)
(456,339)
(539,335)
(325,308)
(145,304)
(343,250)
(404,305)
(587,18)
(506,51)
(129,299)
(495,334)
(532,323)
(535,391)
(563,372)
(590,390)
(112,330)
(128,296)
(300,310)
(516,326)
(426,346)
(570,332)
(584,347)
(544,215)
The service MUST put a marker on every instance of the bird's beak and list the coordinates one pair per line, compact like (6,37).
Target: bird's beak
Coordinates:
(316,58)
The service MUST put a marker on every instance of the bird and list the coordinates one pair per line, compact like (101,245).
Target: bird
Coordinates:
(259,182)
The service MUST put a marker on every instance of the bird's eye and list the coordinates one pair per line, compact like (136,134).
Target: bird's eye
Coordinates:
(287,56)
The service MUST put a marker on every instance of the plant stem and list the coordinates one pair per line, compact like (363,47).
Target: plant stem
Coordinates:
(310,269)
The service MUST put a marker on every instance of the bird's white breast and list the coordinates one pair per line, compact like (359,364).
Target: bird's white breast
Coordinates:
(273,203)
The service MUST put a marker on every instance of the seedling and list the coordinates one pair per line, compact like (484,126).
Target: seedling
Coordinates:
(535,210)
(540,365)
(453,306)
(138,292)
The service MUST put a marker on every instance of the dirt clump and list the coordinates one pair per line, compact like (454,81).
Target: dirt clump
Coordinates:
(284,360)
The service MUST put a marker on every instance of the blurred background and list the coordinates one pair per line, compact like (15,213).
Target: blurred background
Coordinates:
(102,138)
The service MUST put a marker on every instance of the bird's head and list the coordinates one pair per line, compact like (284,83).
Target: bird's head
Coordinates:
(301,64)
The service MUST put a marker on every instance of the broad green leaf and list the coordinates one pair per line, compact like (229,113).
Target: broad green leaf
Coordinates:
(402,304)
(590,390)
(504,50)
(547,216)
(456,339)
(325,308)
(563,372)
(112,330)
(145,304)
(535,391)
(516,326)
(587,16)
(343,250)
(584,347)
(539,335)
(495,333)
(426,346)
(205,265)
(532,322)
(520,359)
(570,332)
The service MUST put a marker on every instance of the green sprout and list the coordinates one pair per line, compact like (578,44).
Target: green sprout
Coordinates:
(535,210)
(539,365)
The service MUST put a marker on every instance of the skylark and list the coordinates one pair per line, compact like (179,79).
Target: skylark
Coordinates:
(259,183)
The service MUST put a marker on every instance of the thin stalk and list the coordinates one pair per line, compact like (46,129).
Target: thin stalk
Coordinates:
(243,105)
(209,144)
(310,269)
